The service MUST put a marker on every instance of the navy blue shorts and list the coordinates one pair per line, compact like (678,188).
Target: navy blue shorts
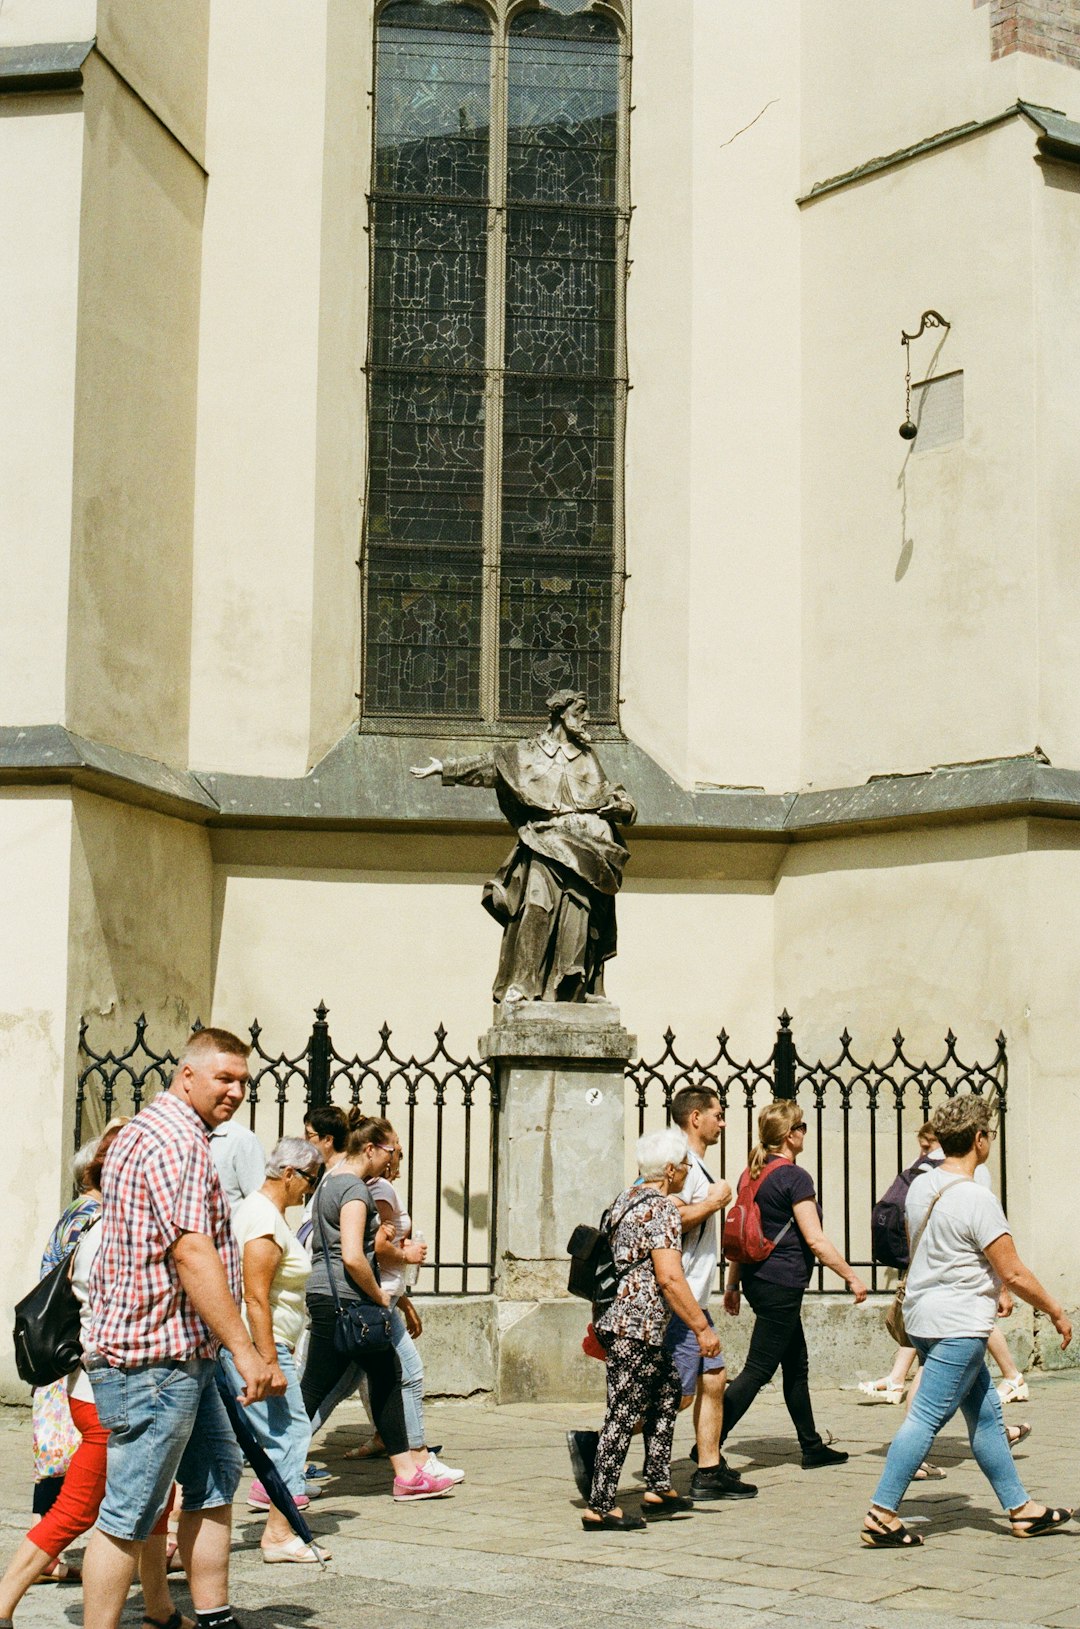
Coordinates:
(682,1343)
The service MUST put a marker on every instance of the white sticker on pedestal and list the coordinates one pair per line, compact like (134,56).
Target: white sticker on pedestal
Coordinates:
(593,1096)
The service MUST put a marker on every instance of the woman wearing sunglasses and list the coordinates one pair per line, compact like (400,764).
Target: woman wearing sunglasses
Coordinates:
(791,1217)
(275,1269)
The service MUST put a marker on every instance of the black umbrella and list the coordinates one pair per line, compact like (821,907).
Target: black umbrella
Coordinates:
(264,1467)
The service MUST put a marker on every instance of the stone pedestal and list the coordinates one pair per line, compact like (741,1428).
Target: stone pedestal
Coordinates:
(561,1160)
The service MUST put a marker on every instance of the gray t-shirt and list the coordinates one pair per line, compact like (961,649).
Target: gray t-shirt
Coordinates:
(338,1189)
(952,1289)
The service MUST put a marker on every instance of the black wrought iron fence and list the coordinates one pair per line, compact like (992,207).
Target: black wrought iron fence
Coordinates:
(863,1118)
(444,1108)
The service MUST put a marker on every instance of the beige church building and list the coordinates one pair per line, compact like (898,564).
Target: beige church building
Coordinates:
(374,368)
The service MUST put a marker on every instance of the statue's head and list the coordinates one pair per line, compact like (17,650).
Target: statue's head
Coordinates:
(570,709)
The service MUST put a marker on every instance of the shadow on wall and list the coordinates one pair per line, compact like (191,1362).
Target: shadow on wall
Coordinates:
(479,1206)
(907,544)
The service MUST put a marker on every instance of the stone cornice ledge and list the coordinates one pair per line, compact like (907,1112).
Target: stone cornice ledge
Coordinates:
(31,69)
(49,755)
(364,782)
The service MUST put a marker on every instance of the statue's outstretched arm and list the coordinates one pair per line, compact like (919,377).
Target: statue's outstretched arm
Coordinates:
(619,807)
(459,771)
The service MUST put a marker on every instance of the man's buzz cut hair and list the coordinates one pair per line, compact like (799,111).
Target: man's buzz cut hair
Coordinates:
(202,1041)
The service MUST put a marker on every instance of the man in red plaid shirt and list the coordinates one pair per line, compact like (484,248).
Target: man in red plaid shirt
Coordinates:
(164,1293)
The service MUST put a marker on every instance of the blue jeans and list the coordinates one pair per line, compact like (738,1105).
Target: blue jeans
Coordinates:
(280,1423)
(412,1383)
(954,1376)
(166,1424)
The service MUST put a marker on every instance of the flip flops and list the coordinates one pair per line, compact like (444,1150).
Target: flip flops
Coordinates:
(1022,1433)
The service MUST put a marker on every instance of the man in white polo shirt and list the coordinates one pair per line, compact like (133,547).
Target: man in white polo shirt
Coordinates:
(696,1111)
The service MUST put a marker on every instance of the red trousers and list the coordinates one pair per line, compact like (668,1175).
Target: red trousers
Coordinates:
(77,1506)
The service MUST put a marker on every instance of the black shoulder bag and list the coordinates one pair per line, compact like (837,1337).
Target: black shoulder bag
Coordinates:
(47,1332)
(360,1327)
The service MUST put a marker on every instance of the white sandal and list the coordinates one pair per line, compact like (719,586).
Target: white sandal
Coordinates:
(1014,1389)
(880,1391)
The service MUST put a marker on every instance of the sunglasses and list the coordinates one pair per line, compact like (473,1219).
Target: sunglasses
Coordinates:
(800,1127)
(306,1176)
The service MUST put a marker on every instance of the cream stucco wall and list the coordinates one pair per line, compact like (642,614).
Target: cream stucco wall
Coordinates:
(162,50)
(712,464)
(920,567)
(1056,255)
(392,928)
(41,151)
(130,612)
(38,22)
(37,1046)
(281,386)
(141,926)
(968,928)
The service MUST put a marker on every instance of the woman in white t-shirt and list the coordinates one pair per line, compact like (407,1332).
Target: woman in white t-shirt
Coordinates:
(275,1269)
(962,1254)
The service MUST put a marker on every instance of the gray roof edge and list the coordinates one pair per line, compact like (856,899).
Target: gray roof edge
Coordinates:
(1060,135)
(364,782)
(28,69)
(49,754)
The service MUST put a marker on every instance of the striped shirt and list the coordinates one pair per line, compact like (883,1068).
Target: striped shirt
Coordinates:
(159,1182)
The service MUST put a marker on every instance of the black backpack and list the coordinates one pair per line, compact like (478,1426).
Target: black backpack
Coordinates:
(593,1273)
(888,1228)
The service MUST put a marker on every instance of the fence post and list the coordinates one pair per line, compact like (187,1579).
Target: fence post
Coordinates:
(784,1059)
(318,1058)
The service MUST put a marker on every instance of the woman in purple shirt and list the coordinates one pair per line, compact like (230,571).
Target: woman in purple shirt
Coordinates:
(791,1216)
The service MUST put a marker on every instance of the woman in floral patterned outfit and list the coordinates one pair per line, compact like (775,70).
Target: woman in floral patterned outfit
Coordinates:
(642,1384)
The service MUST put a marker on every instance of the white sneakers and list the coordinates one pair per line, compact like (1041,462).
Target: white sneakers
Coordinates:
(435,1467)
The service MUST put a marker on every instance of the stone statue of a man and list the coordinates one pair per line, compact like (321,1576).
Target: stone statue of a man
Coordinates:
(555,895)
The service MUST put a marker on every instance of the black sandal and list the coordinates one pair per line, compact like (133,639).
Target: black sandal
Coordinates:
(173,1622)
(612,1524)
(1036,1526)
(888,1538)
(670,1505)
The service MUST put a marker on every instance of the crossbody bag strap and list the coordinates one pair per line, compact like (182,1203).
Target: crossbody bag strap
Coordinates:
(914,1245)
(634,1203)
(316,1213)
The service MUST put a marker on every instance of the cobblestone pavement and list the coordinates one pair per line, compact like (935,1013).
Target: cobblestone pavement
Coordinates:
(507,1548)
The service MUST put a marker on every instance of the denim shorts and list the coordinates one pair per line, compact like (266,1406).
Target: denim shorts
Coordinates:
(166,1424)
(682,1343)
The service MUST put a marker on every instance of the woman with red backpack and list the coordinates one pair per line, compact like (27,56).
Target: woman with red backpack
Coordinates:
(774,1233)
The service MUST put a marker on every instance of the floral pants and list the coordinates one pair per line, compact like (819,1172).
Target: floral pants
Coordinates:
(642,1384)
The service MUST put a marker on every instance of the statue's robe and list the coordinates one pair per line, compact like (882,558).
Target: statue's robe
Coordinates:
(555,895)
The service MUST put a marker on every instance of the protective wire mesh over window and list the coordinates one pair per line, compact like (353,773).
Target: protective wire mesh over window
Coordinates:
(496,381)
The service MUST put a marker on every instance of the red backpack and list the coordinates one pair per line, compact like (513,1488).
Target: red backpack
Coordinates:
(744,1238)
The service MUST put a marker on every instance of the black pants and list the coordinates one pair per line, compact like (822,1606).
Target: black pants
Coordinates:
(326,1365)
(777,1342)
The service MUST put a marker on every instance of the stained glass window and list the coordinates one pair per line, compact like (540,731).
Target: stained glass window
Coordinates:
(495,376)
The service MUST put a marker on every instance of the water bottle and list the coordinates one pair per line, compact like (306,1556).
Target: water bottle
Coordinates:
(411,1270)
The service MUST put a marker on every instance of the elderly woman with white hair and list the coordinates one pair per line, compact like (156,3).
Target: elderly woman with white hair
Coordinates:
(642,1384)
(275,1269)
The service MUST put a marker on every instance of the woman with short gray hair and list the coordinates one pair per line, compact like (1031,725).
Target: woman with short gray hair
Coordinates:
(642,1384)
(275,1272)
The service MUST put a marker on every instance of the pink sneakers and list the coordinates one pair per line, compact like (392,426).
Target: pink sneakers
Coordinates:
(424,1485)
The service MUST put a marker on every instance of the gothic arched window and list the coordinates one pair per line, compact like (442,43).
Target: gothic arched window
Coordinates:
(496,375)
